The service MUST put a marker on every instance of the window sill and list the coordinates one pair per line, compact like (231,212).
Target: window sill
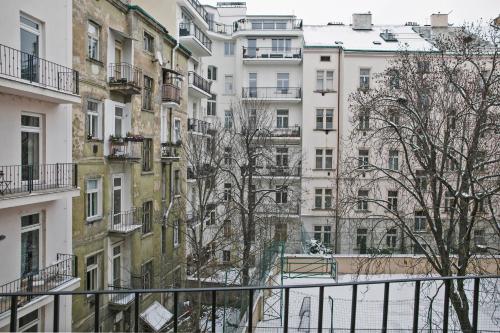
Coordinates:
(329,170)
(322,92)
(147,173)
(324,130)
(322,209)
(363,211)
(95,61)
(149,234)
(147,110)
(95,140)
(91,220)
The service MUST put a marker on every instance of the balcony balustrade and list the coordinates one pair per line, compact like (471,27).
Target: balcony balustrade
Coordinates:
(123,300)
(199,126)
(199,8)
(125,222)
(125,149)
(272,93)
(203,45)
(199,82)
(272,53)
(268,24)
(170,151)
(170,93)
(125,78)
(289,132)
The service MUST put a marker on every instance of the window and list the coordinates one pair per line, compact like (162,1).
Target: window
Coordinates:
(117,266)
(362,200)
(93,119)
(420,221)
(364,121)
(363,160)
(176,233)
(423,66)
(323,234)
(147,155)
(177,182)
(393,160)
(361,240)
(392,200)
(227,228)
(147,217)
(227,156)
(147,275)
(227,192)
(177,131)
(323,198)
(229,48)
(212,73)
(394,79)
(394,117)
(252,118)
(421,180)
(228,84)
(281,44)
(324,159)
(92,273)
(212,105)
(30,244)
(324,119)
(147,97)
(282,157)
(148,42)
(324,80)
(391,238)
(479,239)
(163,239)
(282,82)
(281,194)
(93,202)
(228,119)
(364,78)
(93,31)
(448,201)
(226,256)
(281,118)
(481,160)
(324,58)
(118,122)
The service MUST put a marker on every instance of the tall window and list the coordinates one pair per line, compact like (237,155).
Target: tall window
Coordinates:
(420,221)
(282,157)
(30,45)
(227,228)
(361,240)
(394,117)
(392,200)
(323,198)
(363,159)
(117,266)
(147,96)
(281,194)
(479,238)
(324,159)
(92,272)
(229,48)
(177,130)
(391,238)
(362,200)
(118,121)
(212,105)
(227,155)
(30,244)
(149,42)
(212,73)
(93,192)
(147,155)
(393,160)
(364,121)
(324,119)
(228,84)
(31,144)
(324,80)
(177,239)
(227,192)
(226,256)
(147,275)
(228,119)
(421,180)
(364,78)
(281,118)
(323,233)
(93,40)
(177,182)
(283,82)
(147,217)
(94,119)
(281,44)
(448,201)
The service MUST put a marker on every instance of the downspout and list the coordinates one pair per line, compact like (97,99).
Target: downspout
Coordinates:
(337,222)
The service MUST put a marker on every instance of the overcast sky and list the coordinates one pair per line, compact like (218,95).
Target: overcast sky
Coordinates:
(384,11)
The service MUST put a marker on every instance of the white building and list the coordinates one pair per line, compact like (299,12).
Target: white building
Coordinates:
(37,183)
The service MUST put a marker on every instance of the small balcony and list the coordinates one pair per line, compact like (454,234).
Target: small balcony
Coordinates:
(170,152)
(199,9)
(126,222)
(25,74)
(220,28)
(273,94)
(125,78)
(45,279)
(24,180)
(272,55)
(128,149)
(170,93)
(198,86)
(199,126)
(281,171)
(269,24)
(191,36)
(289,132)
(122,301)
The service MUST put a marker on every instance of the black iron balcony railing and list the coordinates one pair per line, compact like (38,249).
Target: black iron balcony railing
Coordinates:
(272,53)
(324,314)
(170,150)
(198,126)
(170,93)
(191,29)
(29,67)
(272,92)
(199,8)
(199,82)
(124,222)
(18,179)
(220,28)
(41,281)
(124,74)
(125,149)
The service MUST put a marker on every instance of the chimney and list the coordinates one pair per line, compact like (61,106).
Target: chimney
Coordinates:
(362,21)
(439,20)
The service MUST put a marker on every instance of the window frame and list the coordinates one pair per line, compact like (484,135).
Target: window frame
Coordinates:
(229,48)
(98,193)
(325,80)
(148,41)
(93,38)
(147,155)
(91,114)
(147,217)
(147,93)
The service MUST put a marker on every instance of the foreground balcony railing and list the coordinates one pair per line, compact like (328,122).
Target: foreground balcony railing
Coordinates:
(322,315)
(40,281)
(170,93)
(272,92)
(271,53)
(125,77)
(191,29)
(199,82)
(32,69)
(198,126)
(19,179)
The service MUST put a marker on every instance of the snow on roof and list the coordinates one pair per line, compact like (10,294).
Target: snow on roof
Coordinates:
(347,38)
(156,316)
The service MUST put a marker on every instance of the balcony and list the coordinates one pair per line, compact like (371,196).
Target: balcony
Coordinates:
(170,152)
(220,28)
(126,222)
(265,25)
(27,75)
(17,181)
(272,94)
(46,279)
(283,210)
(198,86)
(191,36)
(122,301)
(289,132)
(128,149)
(271,55)
(170,93)
(199,9)
(199,126)
(125,78)
(281,171)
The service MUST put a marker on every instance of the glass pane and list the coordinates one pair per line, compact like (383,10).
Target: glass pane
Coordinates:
(29,57)
(30,156)
(29,252)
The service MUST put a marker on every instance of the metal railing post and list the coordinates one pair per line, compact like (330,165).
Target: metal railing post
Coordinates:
(446,306)
(250,310)
(13,313)
(214,306)
(136,311)
(353,307)
(56,313)
(176,319)
(475,305)
(287,303)
(96,312)
(320,308)
(386,307)
(416,306)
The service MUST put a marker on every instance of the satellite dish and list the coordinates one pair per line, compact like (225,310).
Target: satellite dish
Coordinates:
(159,58)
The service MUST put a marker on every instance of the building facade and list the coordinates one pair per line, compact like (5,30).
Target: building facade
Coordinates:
(38,90)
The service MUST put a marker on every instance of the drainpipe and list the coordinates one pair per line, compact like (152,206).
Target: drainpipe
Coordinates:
(337,222)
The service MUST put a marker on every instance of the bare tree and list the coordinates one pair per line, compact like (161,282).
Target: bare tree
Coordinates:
(434,142)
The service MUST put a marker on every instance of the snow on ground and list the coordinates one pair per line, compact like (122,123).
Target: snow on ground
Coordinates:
(370,305)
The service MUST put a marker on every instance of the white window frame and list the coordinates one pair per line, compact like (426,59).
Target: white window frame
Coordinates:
(228,84)
(325,196)
(364,78)
(326,114)
(229,49)
(98,192)
(92,268)
(281,194)
(282,118)
(176,232)
(228,119)
(94,133)
(325,80)
(28,326)
(392,200)
(362,200)
(177,130)
(226,256)
(93,38)
(393,160)
(363,159)
(319,232)
(420,222)
(324,158)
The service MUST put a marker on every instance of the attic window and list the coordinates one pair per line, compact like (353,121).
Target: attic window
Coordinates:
(376,42)
(325,58)
(388,36)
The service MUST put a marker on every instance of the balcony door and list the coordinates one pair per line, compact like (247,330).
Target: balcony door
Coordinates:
(118,60)
(283,82)
(30,244)
(252,85)
(117,266)
(117,199)
(30,48)
(252,47)
(31,130)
